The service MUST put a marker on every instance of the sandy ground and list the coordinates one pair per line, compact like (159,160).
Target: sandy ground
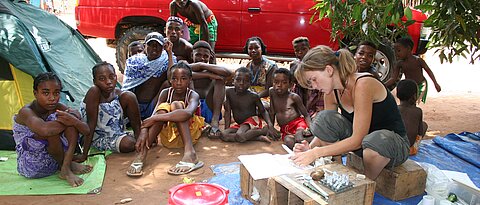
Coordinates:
(456,108)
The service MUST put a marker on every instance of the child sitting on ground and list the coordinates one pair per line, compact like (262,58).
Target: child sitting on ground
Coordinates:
(411,114)
(312,99)
(46,134)
(104,108)
(244,103)
(412,66)
(176,120)
(135,48)
(287,108)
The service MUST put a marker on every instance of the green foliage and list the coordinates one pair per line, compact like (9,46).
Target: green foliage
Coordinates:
(372,20)
(455,28)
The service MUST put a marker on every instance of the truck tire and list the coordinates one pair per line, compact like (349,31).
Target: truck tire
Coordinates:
(136,33)
(384,64)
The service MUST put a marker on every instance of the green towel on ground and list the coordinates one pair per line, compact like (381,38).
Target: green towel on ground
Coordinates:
(12,183)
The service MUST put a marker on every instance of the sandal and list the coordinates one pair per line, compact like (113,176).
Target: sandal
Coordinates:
(137,168)
(214,133)
(190,167)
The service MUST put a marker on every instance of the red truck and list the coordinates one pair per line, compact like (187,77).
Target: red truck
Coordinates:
(276,22)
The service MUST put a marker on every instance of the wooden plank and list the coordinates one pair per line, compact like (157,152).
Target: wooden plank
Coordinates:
(245,181)
(298,189)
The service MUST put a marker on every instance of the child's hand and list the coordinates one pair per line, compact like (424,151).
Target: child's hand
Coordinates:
(74,112)
(437,86)
(168,45)
(272,132)
(307,132)
(148,122)
(66,118)
(216,77)
(141,143)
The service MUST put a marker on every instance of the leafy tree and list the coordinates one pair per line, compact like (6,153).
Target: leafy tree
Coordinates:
(455,28)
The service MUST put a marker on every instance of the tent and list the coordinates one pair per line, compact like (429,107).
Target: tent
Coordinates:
(33,41)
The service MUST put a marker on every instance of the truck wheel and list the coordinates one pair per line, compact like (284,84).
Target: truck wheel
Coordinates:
(136,33)
(384,64)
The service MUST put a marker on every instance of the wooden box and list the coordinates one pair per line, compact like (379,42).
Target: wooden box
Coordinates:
(286,189)
(404,181)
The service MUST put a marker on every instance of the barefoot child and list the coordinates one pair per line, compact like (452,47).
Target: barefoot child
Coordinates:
(412,66)
(243,103)
(411,114)
(46,133)
(104,109)
(287,107)
(176,122)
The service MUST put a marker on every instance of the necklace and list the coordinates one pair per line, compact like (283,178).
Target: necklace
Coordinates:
(345,88)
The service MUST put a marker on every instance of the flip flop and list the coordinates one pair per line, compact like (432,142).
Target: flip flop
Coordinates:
(191,167)
(214,133)
(137,167)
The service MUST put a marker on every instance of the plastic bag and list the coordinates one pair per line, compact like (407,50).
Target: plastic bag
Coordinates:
(437,182)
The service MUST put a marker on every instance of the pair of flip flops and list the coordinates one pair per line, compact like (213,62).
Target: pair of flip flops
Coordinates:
(190,167)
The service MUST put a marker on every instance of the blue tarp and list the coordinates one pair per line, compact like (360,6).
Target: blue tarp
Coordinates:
(454,152)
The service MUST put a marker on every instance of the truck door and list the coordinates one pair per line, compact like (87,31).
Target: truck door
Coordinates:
(227,13)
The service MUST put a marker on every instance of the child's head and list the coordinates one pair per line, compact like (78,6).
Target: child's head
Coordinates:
(242,79)
(46,89)
(407,90)
(180,76)
(403,48)
(135,47)
(301,45)
(282,79)
(202,52)
(154,42)
(255,47)
(173,28)
(365,55)
(104,76)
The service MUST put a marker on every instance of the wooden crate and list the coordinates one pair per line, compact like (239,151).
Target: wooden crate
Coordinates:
(404,181)
(286,189)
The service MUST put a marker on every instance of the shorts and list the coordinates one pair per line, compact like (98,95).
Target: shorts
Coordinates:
(206,112)
(253,122)
(331,126)
(291,127)
(195,32)
(146,109)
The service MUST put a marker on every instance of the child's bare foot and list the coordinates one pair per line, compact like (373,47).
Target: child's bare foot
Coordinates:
(78,168)
(263,138)
(71,178)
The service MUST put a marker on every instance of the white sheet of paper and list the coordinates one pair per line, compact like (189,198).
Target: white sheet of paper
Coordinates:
(461,177)
(266,165)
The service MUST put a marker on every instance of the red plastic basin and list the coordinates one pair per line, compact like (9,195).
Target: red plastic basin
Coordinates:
(198,193)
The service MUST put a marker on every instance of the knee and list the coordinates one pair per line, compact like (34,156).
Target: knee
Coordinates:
(127,145)
(370,154)
(128,98)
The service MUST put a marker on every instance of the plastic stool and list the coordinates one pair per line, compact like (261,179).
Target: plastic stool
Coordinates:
(198,193)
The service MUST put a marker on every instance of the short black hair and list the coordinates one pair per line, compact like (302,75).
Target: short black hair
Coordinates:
(44,77)
(255,38)
(368,43)
(181,65)
(405,41)
(406,89)
(135,43)
(300,39)
(284,71)
(98,65)
(202,44)
(244,70)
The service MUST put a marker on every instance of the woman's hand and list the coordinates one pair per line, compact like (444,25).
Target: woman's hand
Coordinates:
(304,158)
(66,118)
(301,147)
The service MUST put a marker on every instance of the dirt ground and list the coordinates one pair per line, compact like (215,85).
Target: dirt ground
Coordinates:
(455,109)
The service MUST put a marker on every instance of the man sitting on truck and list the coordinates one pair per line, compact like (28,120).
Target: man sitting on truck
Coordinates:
(199,19)
(145,73)
(182,49)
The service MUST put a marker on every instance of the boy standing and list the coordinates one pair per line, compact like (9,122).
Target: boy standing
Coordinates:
(199,18)
(411,114)
(182,49)
(244,104)
(209,83)
(412,66)
(145,73)
(312,99)
(364,57)
(287,107)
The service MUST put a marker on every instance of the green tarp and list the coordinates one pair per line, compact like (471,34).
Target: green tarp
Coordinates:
(12,183)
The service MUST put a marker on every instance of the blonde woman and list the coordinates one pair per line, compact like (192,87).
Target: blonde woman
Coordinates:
(369,122)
